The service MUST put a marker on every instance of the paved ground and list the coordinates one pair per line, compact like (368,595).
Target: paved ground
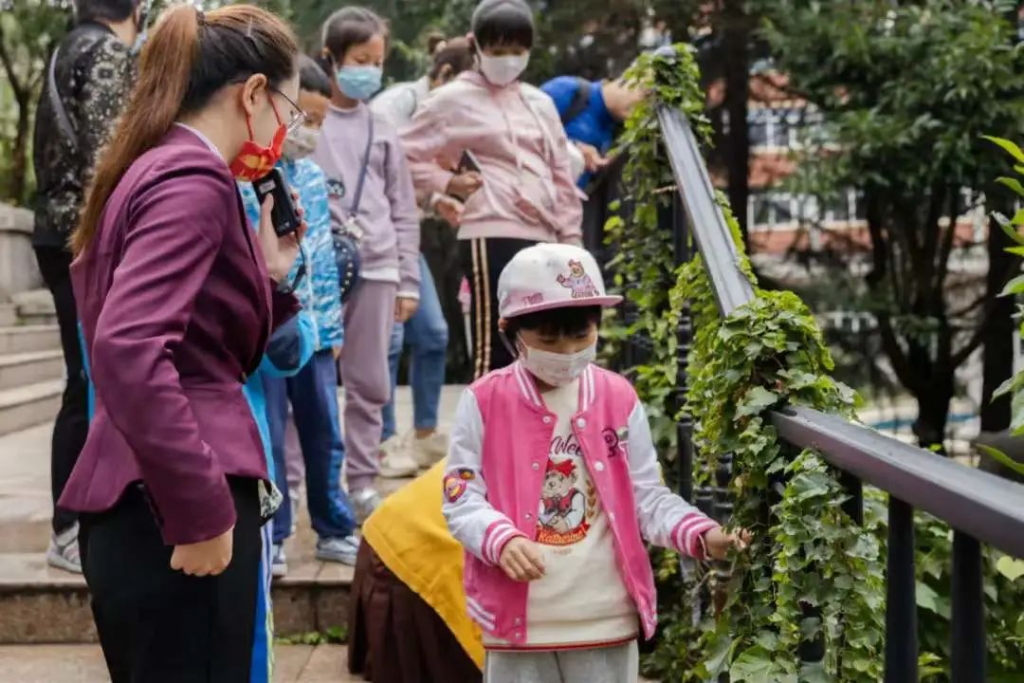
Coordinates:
(84,664)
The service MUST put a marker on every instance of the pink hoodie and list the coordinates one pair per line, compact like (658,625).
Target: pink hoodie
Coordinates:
(529,191)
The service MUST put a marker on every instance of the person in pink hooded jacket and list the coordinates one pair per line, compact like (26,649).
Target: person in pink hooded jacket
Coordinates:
(522,190)
(552,482)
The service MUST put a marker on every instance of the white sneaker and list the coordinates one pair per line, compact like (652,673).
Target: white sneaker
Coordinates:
(395,462)
(364,502)
(279,566)
(341,550)
(430,450)
(63,552)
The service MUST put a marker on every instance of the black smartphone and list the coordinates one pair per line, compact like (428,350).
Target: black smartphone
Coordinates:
(284,216)
(468,163)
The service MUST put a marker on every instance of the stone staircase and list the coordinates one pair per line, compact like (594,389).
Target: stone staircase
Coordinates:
(31,362)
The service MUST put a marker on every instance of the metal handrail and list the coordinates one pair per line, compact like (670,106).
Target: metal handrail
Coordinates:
(966,498)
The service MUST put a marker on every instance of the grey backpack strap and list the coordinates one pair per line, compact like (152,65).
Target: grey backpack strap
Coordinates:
(363,171)
(63,121)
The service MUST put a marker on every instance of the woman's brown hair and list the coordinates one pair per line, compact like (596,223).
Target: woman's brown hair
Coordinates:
(188,58)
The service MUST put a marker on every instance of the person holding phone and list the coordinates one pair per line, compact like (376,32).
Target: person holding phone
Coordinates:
(525,192)
(172,484)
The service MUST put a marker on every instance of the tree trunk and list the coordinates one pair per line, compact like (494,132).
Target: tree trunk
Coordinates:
(933,411)
(19,162)
(736,49)
(998,344)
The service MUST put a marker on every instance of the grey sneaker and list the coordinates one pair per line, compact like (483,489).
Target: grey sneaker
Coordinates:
(343,550)
(279,566)
(63,552)
(364,502)
(428,451)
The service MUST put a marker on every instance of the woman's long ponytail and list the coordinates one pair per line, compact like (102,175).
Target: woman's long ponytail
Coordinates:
(164,72)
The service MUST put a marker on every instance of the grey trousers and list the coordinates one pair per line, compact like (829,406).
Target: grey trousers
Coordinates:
(619,664)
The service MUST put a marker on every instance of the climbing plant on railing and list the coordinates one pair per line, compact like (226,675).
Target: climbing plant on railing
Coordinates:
(811,574)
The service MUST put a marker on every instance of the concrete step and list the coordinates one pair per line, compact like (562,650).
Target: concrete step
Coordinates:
(29,338)
(35,307)
(84,664)
(41,604)
(26,406)
(8,315)
(20,369)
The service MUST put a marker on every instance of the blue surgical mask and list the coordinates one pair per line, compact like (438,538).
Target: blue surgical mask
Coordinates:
(359,82)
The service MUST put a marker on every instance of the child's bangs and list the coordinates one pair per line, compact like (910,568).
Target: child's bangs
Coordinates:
(559,322)
(507,25)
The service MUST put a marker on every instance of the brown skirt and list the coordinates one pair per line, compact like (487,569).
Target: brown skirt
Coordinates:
(395,637)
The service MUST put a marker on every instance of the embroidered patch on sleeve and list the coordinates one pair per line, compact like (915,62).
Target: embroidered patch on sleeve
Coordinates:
(455,485)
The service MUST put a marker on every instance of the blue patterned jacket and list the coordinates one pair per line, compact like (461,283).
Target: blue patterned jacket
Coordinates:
(318,292)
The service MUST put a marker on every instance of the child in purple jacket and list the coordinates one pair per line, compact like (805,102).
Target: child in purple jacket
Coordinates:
(371,197)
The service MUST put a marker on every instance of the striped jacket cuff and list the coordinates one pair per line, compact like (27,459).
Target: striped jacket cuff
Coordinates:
(496,538)
(688,536)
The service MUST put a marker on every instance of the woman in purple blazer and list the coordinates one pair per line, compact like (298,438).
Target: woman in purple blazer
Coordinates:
(177,297)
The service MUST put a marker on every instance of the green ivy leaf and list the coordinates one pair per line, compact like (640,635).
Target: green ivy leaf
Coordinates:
(754,666)
(1011,568)
(930,600)
(1013,184)
(1014,286)
(1008,145)
(756,401)
(1002,458)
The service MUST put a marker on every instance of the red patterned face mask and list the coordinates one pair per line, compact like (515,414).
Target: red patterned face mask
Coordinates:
(254,160)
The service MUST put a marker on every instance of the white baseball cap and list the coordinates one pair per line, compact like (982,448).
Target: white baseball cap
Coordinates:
(549,276)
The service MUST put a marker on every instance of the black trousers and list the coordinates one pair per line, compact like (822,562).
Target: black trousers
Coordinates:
(482,261)
(72,425)
(157,625)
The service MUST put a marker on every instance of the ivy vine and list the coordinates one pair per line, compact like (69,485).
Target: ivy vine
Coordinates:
(811,575)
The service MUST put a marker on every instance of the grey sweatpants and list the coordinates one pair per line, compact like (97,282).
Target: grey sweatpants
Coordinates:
(619,664)
(369,319)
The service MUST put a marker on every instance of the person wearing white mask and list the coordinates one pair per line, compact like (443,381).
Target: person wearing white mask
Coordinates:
(552,484)
(513,171)
(313,392)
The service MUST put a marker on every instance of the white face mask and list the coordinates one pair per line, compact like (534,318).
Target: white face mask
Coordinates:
(300,143)
(501,71)
(557,369)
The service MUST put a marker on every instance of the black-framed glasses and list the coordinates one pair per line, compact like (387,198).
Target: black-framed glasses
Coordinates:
(298,116)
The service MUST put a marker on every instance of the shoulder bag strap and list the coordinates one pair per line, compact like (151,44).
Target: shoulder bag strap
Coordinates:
(364,170)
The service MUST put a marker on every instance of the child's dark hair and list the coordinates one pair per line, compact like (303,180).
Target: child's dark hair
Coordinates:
(570,321)
(503,22)
(312,77)
(347,27)
(457,54)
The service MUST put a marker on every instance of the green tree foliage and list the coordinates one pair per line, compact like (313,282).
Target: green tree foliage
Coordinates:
(29,29)
(906,90)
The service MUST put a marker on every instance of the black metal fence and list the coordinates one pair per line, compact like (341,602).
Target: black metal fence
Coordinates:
(979,507)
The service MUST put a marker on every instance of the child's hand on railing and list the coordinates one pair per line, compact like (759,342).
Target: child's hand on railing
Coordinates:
(718,542)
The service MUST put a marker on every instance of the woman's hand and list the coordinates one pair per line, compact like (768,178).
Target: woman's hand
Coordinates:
(405,308)
(521,560)
(718,542)
(450,209)
(206,558)
(279,252)
(463,185)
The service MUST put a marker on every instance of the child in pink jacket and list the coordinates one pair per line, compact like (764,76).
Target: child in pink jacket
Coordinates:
(523,191)
(552,477)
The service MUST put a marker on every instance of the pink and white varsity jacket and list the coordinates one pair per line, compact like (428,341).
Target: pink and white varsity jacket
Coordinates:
(492,489)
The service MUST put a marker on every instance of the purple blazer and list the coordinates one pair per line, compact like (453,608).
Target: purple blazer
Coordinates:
(176,308)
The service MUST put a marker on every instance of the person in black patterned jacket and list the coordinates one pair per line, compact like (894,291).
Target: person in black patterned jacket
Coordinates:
(87,84)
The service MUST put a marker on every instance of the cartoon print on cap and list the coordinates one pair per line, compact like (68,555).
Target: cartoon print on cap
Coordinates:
(578,281)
